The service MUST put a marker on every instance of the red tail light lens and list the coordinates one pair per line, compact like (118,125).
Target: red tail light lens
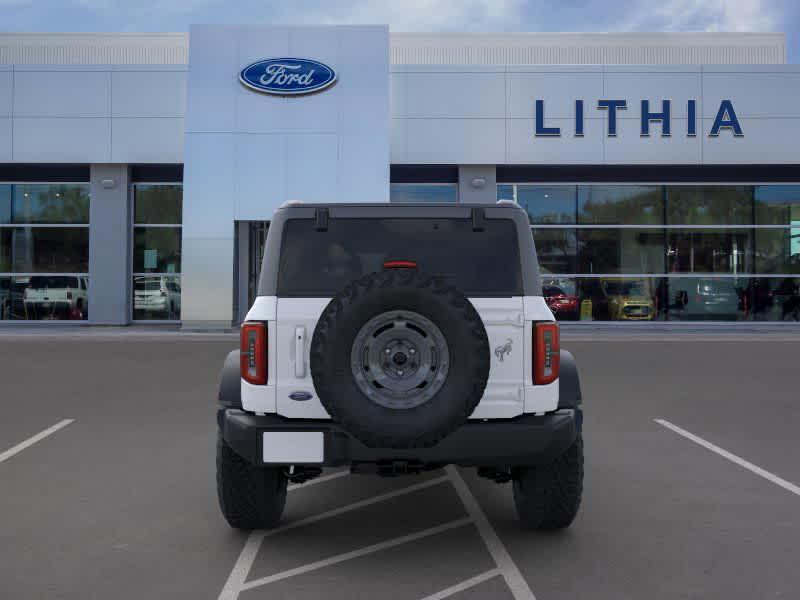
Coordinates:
(546,353)
(253,349)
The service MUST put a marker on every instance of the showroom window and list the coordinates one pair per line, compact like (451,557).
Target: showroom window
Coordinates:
(44,251)
(620,204)
(668,252)
(545,205)
(423,192)
(157,251)
(709,205)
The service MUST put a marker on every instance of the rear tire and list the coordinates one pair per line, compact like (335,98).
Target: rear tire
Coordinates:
(250,497)
(548,497)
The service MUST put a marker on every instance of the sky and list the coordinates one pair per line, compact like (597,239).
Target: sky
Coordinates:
(414,15)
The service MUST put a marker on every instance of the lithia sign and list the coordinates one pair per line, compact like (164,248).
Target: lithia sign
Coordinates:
(726,119)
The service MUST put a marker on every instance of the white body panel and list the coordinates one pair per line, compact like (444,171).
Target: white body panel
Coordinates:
(508,321)
(294,313)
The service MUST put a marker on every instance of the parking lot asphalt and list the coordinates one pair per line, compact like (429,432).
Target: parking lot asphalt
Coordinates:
(118,499)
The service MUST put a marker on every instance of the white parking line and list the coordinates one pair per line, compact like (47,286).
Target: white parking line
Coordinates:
(316,480)
(33,439)
(356,505)
(242,567)
(247,557)
(731,457)
(514,579)
(357,553)
(464,585)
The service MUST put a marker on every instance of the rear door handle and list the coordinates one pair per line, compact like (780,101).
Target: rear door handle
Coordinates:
(300,352)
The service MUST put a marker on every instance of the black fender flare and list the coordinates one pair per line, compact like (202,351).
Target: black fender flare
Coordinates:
(230,382)
(569,385)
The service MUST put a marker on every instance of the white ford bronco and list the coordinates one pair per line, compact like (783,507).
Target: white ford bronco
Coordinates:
(395,339)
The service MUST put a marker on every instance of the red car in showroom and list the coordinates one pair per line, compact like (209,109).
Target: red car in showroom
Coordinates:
(562,299)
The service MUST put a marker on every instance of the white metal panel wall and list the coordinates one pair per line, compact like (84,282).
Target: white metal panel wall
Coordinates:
(475,132)
(6,102)
(92,113)
(45,92)
(529,48)
(248,152)
(148,92)
(767,106)
(682,48)
(147,140)
(61,139)
(94,48)
(578,55)
(139,125)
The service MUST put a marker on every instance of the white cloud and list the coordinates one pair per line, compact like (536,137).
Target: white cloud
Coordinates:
(414,15)
(705,15)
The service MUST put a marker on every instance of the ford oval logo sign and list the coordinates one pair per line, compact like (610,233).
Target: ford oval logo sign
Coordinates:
(287,76)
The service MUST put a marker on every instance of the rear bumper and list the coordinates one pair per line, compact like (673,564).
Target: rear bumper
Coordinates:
(524,440)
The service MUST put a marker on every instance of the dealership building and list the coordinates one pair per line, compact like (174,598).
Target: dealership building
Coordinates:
(139,172)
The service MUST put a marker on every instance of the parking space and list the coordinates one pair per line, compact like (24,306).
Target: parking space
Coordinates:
(121,501)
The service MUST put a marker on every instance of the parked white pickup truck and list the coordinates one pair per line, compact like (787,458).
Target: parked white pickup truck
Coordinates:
(56,297)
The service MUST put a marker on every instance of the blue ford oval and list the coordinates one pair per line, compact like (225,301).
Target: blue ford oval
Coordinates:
(287,76)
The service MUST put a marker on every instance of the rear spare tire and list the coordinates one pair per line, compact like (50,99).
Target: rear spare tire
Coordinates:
(399,359)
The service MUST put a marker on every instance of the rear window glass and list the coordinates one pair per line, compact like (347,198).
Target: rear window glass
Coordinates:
(320,263)
(147,285)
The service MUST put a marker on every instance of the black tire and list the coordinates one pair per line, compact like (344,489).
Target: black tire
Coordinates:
(250,497)
(376,425)
(548,497)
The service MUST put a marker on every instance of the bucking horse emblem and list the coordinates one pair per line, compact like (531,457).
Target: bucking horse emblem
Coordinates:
(501,351)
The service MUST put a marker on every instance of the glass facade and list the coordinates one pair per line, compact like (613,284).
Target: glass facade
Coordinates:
(156,285)
(423,192)
(44,251)
(666,252)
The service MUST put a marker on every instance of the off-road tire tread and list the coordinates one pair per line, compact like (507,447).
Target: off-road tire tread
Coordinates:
(250,497)
(548,497)
(459,305)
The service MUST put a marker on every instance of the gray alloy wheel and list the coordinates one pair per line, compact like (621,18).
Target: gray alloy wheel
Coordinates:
(400,359)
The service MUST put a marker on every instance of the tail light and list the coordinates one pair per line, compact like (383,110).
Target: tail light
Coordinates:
(163,293)
(253,353)
(400,264)
(69,294)
(546,353)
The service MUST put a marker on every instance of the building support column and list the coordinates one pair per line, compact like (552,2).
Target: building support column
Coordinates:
(242,269)
(477,184)
(109,245)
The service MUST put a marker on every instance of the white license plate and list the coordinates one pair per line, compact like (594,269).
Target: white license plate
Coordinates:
(293,447)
